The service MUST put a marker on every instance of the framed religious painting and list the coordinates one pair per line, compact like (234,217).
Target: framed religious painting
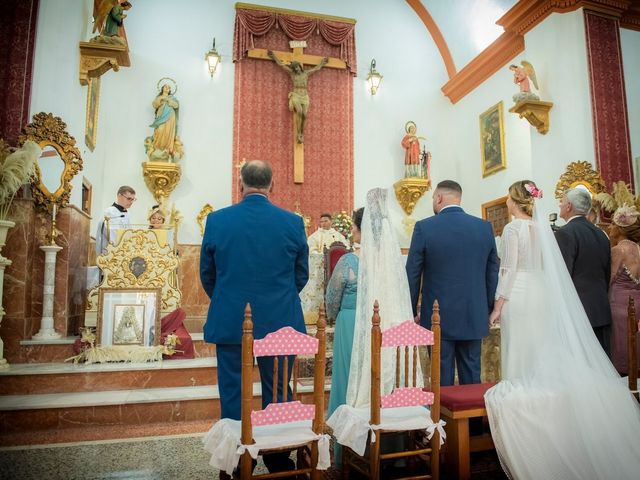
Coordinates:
(128,317)
(91,121)
(497,214)
(492,140)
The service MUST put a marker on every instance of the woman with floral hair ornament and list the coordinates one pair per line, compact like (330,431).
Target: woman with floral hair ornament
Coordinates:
(624,233)
(560,410)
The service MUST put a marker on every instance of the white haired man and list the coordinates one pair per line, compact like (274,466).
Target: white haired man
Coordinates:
(587,253)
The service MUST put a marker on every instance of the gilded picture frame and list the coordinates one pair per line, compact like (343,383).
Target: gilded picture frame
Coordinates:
(91,121)
(128,316)
(492,149)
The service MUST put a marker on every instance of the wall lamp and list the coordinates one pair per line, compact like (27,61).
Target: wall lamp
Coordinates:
(374,78)
(213,58)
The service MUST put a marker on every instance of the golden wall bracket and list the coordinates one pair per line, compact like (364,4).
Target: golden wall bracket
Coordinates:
(409,191)
(98,58)
(161,178)
(536,112)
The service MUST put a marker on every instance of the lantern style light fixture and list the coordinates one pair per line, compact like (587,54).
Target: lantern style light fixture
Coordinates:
(374,78)
(213,58)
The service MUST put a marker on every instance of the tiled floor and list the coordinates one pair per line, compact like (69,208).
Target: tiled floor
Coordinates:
(158,458)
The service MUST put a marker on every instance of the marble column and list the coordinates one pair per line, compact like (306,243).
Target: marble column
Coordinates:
(47,331)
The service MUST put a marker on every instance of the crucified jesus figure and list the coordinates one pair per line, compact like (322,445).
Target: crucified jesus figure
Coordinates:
(299,97)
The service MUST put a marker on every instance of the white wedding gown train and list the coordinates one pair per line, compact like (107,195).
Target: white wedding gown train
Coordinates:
(561,410)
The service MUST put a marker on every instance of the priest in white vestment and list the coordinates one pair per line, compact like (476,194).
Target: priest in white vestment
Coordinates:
(117,215)
(324,236)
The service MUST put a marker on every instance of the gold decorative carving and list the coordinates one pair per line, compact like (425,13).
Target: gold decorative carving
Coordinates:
(161,178)
(490,371)
(49,131)
(306,219)
(138,261)
(98,58)
(409,191)
(202,217)
(536,112)
(580,173)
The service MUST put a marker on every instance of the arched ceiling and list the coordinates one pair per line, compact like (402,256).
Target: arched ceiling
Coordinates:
(461,28)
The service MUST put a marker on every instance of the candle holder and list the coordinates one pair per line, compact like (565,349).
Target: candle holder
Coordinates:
(54,232)
(47,329)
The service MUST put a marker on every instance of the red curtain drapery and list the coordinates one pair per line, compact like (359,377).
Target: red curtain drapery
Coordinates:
(256,23)
(263,124)
(608,99)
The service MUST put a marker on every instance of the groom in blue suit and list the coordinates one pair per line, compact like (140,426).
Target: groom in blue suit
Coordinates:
(252,252)
(454,255)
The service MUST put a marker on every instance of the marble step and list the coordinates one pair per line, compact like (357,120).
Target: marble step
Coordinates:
(32,351)
(75,412)
(50,378)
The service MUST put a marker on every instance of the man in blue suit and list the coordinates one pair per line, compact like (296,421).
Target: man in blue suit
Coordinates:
(454,255)
(252,252)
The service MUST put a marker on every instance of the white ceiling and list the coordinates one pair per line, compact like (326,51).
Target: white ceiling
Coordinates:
(468,26)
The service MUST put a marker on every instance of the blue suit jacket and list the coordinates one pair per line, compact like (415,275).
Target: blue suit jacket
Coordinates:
(253,252)
(454,254)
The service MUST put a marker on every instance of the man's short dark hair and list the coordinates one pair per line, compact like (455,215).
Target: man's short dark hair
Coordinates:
(126,189)
(256,174)
(450,185)
(325,215)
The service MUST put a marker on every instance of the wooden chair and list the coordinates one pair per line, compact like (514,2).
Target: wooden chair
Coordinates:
(405,402)
(294,425)
(331,256)
(632,341)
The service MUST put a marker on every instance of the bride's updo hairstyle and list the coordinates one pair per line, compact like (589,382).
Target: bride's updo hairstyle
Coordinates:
(521,196)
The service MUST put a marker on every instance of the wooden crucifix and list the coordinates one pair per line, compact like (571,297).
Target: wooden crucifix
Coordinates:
(293,62)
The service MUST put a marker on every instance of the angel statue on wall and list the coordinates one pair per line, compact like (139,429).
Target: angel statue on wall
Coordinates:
(108,21)
(521,77)
(165,145)
(417,164)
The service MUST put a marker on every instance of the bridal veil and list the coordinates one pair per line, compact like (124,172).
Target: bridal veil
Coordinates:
(564,412)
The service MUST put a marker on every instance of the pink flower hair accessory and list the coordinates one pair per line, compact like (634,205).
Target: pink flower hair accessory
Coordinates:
(534,191)
(626,215)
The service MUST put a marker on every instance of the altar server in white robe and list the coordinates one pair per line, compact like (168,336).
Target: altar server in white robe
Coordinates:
(325,235)
(118,215)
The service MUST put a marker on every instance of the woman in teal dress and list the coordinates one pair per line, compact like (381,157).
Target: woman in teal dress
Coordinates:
(341,305)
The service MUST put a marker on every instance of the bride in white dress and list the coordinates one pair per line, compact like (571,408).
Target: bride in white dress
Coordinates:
(561,410)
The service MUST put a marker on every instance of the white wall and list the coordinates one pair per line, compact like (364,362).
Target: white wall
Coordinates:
(563,74)
(170,40)
(56,86)
(413,72)
(563,79)
(630,40)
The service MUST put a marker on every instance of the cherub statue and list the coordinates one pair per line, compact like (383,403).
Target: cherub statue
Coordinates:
(108,18)
(521,77)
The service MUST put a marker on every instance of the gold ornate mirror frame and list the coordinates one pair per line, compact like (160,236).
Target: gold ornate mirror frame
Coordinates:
(47,130)
(580,173)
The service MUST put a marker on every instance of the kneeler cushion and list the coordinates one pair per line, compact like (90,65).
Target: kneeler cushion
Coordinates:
(464,397)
